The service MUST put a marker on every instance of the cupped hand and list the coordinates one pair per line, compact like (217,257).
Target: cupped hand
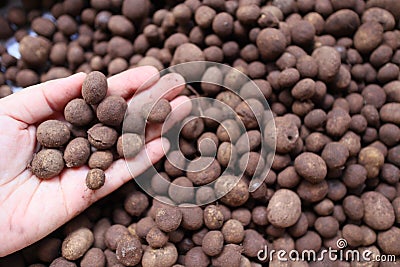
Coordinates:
(31,208)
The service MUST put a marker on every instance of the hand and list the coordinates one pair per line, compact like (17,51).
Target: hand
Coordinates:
(31,208)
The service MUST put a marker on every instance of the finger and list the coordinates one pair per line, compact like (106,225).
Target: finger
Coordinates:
(168,87)
(181,107)
(128,82)
(37,102)
(123,170)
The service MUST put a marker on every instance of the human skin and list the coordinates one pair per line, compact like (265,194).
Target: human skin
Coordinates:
(31,208)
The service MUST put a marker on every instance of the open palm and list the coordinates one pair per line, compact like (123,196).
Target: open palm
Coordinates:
(31,208)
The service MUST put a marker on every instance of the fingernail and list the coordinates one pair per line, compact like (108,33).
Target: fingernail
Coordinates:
(165,144)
